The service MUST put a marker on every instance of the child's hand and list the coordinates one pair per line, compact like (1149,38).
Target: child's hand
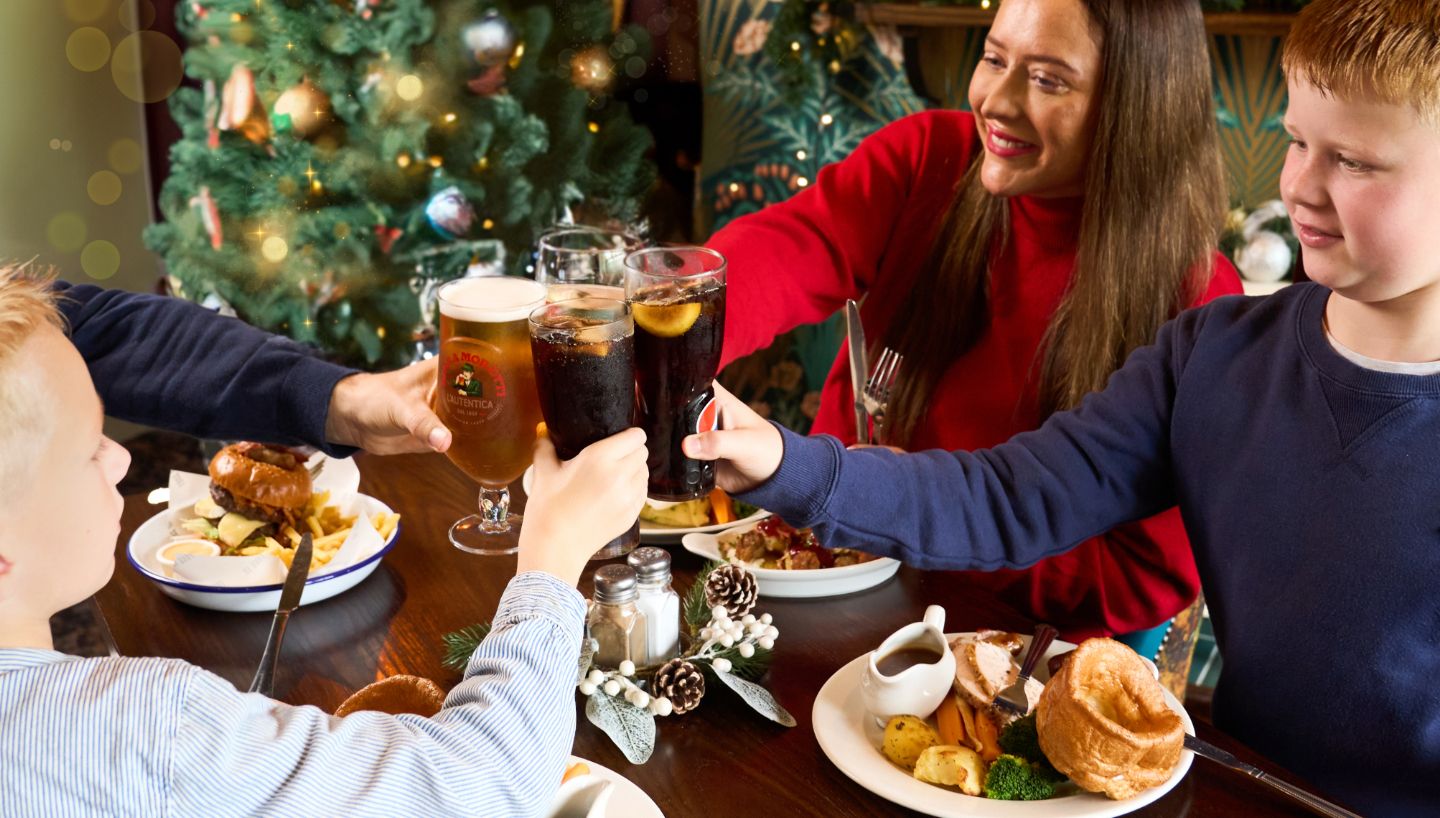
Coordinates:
(748,446)
(576,507)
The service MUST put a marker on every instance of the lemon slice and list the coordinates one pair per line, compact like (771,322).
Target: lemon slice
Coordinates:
(666,320)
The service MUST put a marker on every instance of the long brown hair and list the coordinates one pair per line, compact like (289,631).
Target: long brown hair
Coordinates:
(1154,203)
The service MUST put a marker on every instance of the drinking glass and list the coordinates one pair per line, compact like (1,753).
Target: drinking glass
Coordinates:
(579,261)
(677,300)
(584,352)
(486,395)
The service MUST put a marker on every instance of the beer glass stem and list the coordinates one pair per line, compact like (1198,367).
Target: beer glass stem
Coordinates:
(495,509)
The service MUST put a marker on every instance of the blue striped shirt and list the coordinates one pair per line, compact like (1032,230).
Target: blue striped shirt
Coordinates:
(152,737)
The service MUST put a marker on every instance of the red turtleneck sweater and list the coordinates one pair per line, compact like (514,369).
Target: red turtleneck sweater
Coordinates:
(865,229)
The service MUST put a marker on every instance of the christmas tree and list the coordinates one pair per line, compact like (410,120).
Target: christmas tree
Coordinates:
(339,156)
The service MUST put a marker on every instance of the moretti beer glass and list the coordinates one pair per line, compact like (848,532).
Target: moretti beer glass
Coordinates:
(580,261)
(677,298)
(486,395)
(584,352)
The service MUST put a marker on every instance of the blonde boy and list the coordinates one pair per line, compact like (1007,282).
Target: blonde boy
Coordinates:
(150,737)
(1299,434)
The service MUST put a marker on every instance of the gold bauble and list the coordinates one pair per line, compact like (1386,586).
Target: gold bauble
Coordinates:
(308,108)
(592,69)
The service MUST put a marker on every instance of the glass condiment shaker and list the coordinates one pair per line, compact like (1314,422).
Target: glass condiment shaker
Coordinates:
(659,603)
(615,622)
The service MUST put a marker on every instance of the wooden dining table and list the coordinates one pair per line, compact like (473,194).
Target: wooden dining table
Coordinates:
(721,759)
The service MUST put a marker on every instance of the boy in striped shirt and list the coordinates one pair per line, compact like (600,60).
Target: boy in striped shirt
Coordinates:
(133,736)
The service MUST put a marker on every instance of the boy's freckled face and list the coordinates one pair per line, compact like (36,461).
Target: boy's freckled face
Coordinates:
(1360,182)
(62,528)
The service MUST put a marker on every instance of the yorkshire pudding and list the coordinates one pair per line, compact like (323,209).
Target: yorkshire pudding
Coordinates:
(1104,723)
(396,695)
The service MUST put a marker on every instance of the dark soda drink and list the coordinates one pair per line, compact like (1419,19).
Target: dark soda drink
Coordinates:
(584,353)
(587,389)
(679,310)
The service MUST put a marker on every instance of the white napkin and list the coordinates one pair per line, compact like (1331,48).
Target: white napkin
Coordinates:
(241,572)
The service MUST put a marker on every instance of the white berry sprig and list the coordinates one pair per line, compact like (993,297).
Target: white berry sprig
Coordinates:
(620,683)
(724,635)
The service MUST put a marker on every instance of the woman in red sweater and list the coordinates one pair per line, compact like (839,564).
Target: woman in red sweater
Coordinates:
(1015,257)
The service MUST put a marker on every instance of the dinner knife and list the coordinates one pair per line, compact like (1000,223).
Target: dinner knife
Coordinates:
(855,336)
(290,593)
(1219,756)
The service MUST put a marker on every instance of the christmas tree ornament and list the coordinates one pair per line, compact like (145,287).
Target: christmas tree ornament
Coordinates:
(204,205)
(449,214)
(366,8)
(592,69)
(239,108)
(733,588)
(680,682)
(385,237)
(1265,257)
(303,110)
(489,44)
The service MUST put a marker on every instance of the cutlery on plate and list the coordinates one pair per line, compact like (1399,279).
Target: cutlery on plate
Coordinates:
(1013,698)
(876,396)
(1219,756)
(855,337)
(264,681)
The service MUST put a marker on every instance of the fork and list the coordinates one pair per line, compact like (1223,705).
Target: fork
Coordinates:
(877,389)
(1013,697)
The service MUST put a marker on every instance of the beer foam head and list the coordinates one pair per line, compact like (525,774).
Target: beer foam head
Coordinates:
(492,299)
(26,304)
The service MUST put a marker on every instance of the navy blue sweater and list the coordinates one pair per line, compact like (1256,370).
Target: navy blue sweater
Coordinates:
(170,363)
(1311,491)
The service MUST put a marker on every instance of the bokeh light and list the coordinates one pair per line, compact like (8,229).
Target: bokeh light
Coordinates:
(66,231)
(409,88)
(100,259)
(55,144)
(124,156)
(147,66)
(274,249)
(137,14)
(87,49)
(104,187)
(86,11)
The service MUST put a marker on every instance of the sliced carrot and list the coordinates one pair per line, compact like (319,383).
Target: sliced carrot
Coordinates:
(947,718)
(722,507)
(578,768)
(989,734)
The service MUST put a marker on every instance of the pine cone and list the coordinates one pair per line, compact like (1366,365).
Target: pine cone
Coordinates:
(680,682)
(733,587)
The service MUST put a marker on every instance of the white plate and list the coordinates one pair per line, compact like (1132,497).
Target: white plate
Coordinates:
(851,739)
(663,534)
(626,799)
(155,532)
(776,582)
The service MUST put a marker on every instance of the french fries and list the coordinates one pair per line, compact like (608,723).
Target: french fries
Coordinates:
(327,527)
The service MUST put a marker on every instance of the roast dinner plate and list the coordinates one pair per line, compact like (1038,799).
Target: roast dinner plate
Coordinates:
(626,799)
(794,584)
(851,739)
(664,534)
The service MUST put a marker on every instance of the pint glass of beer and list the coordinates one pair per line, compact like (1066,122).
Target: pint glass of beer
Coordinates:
(677,299)
(584,352)
(580,261)
(486,396)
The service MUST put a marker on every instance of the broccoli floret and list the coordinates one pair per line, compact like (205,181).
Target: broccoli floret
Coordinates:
(1020,738)
(1012,778)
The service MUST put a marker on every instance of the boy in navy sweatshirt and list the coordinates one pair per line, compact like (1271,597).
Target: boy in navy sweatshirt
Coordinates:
(1299,434)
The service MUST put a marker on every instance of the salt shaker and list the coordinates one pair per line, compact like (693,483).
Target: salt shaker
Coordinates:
(659,603)
(615,622)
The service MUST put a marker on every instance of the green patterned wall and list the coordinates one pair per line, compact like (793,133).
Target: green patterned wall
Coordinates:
(1250,97)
